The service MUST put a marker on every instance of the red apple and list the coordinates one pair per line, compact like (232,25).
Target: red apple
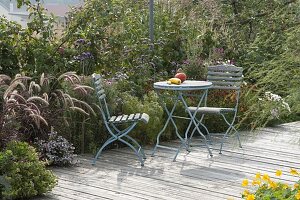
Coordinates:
(181,76)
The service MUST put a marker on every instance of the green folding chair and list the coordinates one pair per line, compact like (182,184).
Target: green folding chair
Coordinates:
(112,123)
(223,77)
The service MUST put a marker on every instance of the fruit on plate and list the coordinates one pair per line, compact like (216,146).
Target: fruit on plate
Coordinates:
(180,75)
(175,81)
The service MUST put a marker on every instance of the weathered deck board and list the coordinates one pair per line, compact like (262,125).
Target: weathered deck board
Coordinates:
(118,174)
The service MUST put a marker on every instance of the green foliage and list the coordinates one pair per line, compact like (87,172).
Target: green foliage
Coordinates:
(265,188)
(24,174)
(145,132)
(31,106)
(56,150)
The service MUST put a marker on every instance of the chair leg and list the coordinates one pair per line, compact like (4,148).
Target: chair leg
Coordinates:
(199,122)
(109,141)
(227,131)
(134,149)
(137,144)
(237,134)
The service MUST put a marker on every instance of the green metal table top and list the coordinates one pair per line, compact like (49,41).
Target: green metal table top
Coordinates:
(186,85)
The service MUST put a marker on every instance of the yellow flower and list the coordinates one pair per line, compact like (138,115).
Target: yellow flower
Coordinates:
(294,172)
(278,173)
(285,186)
(298,195)
(256,182)
(266,177)
(245,183)
(258,175)
(246,193)
(296,185)
(250,197)
(273,184)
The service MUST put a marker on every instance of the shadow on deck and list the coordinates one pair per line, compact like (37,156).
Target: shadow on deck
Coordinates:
(118,174)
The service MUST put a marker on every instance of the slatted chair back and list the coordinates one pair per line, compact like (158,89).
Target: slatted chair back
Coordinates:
(97,80)
(226,77)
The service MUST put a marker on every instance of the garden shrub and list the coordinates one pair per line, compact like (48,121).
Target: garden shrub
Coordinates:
(31,106)
(24,174)
(56,150)
(265,188)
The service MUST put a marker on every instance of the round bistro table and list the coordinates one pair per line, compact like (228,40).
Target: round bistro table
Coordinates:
(180,92)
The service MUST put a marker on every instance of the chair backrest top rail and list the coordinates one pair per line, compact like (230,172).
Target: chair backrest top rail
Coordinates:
(227,68)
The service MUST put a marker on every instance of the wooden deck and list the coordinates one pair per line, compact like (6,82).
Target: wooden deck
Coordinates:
(118,174)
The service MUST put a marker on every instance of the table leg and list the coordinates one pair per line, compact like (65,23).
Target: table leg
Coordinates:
(195,123)
(170,114)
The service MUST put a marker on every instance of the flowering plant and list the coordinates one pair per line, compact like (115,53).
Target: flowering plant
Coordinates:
(57,150)
(270,189)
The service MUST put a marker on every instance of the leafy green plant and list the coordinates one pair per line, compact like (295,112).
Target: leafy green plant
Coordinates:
(56,150)
(31,106)
(266,188)
(24,174)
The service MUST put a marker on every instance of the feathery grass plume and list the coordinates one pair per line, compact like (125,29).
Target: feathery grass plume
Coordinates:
(33,106)
(86,87)
(15,106)
(45,95)
(66,122)
(65,74)
(40,118)
(20,78)
(42,79)
(76,77)
(30,89)
(69,78)
(60,96)
(4,77)
(32,111)
(81,89)
(86,105)
(33,86)
(12,87)
(55,97)
(38,99)
(79,110)
(69,99)
(11,101)
(14,94)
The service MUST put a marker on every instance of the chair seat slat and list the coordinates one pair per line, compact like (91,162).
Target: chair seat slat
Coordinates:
(226,74)
(112,119)
(226,83)
(130,117)
(145,118)
(209,78)
(124,118)
(119,118)
(227,68)
(225,87)
(137,116)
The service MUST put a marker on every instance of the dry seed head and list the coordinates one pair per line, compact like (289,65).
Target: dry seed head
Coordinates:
(42,79)
(38,99)
(86,105)
(84,87)
(4,77)
(69,99)
(39,118)
(79,110)
(33,106)
(65,74)
(16,96)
